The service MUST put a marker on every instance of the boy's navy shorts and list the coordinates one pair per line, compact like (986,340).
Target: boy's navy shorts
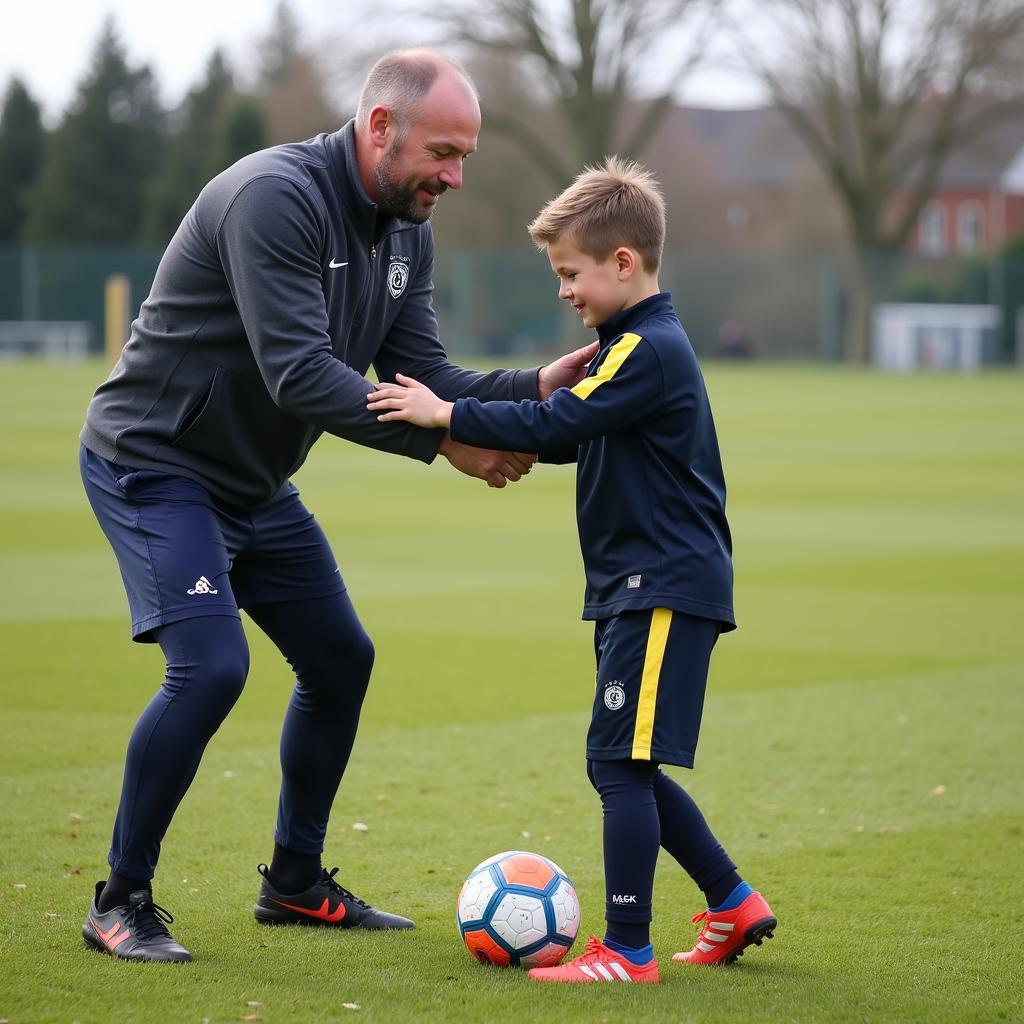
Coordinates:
(652,671)
(182,554)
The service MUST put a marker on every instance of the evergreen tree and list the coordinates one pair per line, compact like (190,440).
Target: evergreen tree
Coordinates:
(242,130)
(21,155)
(291,84)
(99,161)
(191,151)
(279,46)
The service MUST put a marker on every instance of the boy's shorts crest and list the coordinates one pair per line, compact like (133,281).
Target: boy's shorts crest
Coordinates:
(652,671)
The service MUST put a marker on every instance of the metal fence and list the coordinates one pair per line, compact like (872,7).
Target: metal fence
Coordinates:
(789,304)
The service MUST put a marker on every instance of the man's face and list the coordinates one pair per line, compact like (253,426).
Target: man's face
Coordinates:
(594,289)
(416,169)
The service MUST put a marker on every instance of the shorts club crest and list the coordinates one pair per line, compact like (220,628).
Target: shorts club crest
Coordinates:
(614,696)
(652,669)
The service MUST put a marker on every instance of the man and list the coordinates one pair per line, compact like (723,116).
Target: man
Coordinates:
(295,270)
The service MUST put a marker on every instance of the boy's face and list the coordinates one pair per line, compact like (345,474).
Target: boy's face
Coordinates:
(597,291)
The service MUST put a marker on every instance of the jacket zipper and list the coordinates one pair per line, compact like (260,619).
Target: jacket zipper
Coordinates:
(367,288)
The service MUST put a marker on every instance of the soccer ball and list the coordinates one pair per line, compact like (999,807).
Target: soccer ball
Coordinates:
(516,909)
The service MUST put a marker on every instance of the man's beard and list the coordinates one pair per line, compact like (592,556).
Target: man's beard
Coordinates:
(399,197)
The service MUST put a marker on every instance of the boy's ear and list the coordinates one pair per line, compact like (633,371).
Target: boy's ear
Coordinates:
(626,262)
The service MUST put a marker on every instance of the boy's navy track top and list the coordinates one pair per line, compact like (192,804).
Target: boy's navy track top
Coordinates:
(650,491)
(282,285)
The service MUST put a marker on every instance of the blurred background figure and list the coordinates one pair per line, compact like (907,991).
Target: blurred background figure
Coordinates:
(733,342)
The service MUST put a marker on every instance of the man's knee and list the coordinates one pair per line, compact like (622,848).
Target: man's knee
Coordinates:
(352,664)
(358,654)
(208,656)
(337,671)
(226,669)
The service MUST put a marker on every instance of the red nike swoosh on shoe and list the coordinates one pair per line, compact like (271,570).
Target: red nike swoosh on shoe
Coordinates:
(323,914)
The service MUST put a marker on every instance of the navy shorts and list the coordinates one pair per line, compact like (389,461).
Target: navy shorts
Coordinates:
(652,671)
(182,554)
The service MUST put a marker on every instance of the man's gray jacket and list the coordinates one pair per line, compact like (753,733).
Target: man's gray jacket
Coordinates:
(281,287)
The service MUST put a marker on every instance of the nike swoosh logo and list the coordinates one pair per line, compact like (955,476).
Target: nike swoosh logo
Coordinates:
(334,264)
(323,914)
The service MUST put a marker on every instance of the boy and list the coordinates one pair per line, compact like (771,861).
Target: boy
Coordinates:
(657,552)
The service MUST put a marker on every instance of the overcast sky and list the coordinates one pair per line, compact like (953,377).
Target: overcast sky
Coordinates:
(48,42)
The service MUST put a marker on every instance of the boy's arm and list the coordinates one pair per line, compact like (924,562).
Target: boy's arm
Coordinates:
(559,456)
(627,388)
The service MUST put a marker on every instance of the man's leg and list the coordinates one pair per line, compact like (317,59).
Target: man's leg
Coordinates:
(174,554)
(207,662)
(331,655)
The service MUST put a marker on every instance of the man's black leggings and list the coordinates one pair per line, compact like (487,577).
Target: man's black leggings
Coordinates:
(207,663)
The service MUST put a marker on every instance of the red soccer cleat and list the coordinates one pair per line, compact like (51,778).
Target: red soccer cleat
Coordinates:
(727,933)
(598,963)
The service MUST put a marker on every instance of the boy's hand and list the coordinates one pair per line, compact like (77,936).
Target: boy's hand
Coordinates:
(413,402)
(566,372)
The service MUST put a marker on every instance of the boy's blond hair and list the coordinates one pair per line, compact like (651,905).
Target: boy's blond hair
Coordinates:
(618,203)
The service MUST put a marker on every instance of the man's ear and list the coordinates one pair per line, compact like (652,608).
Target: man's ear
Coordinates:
(626,262)
(379,122)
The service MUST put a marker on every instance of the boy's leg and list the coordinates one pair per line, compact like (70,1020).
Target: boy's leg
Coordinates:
(652,678)
(686,836)
(631,841)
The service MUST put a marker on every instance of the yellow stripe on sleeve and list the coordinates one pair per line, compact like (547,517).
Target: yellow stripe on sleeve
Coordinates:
(615,358)
(661,620)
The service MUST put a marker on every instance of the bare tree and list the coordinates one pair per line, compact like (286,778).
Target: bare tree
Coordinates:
(881,92)
(610,68)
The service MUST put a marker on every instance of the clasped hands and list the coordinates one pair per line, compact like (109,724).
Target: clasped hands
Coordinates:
(409,400)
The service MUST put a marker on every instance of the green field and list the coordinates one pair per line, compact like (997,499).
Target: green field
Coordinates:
(862,756)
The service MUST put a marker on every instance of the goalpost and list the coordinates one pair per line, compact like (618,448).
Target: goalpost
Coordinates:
(910,336)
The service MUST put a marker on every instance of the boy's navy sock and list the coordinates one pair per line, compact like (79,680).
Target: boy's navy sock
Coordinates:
(639,956)
(733,900)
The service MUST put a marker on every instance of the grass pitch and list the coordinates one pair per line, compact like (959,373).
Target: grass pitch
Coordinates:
(861,757)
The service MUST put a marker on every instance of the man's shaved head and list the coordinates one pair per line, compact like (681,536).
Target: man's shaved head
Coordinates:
(400,80)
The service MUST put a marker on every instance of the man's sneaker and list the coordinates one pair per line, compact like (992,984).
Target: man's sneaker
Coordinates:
(323,903)
(137,931)
(598,963)
(726,933)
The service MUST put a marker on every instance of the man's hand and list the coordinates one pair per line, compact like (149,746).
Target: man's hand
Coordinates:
(566,372)
(497,468)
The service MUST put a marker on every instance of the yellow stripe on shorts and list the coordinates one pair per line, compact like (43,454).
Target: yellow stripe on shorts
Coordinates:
(615,358)
(661,620)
